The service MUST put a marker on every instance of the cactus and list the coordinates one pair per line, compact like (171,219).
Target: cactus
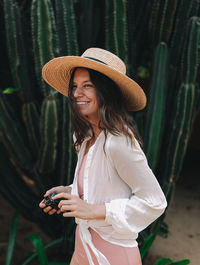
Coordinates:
(163,14)
(182,112)
(49,136)
(136,38)
(65,20)
(42,35)
(13,136)
(30,114)
(66,160)
(16,50)
(156,105)
(181,126)
(116,28)
(66,27)
(190,57)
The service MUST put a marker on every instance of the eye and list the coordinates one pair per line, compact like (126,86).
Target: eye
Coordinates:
(88,85)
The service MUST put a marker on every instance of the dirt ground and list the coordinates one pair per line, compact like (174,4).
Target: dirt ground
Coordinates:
(183,219)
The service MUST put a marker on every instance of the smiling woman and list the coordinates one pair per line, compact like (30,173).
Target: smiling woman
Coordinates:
(84,93)
(115,194)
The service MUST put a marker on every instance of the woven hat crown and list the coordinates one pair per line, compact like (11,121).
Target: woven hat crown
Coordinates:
(105,57)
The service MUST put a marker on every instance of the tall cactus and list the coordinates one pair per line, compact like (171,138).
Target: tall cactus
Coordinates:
(65,21)
(46,160)
(116,28)
(66,27)
(30,115)
(163,14)
(13,136)
(156,105)
(17,52)
(182,112)
(43,39)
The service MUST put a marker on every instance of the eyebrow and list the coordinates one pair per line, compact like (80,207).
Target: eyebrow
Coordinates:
(84,81)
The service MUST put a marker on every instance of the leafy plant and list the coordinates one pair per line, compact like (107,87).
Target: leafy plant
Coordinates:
(12,236)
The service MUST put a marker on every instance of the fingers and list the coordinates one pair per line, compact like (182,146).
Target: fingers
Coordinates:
(48,192)
(52,211)
(65,208)
(63,195)
(42,205)
(47,209)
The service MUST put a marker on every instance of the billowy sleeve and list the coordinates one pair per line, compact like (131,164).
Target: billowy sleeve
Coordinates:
(147,202)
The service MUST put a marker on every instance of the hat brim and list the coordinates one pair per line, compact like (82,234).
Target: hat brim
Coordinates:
(57,73)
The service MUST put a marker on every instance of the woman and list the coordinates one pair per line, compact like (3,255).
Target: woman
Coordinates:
(114,194)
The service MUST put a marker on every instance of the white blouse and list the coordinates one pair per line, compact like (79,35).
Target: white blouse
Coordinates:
(118,176)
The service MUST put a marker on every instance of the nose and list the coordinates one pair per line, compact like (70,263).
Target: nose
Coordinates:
(77,92)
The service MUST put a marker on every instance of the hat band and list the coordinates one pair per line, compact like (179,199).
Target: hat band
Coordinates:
(92,58)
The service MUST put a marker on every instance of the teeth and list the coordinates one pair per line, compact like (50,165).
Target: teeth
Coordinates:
(82,103)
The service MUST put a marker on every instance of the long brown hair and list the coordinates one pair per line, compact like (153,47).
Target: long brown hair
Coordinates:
(114,117)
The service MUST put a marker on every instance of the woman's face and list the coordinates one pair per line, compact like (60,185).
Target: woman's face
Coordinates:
(85,96)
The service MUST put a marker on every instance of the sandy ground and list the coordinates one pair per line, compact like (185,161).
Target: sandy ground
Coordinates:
(183,218)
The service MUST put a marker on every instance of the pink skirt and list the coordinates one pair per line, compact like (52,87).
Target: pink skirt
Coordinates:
(115,254)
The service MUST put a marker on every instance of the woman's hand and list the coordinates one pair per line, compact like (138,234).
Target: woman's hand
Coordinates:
(58,189)
(73,206)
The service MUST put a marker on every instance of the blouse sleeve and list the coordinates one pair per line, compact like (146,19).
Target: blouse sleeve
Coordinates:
(147,202)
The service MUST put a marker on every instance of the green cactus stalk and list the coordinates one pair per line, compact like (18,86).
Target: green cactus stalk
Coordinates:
(13,136)
(30,116)
(136,38)
(156,105)
(153,21)
(181,126)
(163,14)
(182,112)
(49,136)
(116,28)
(66,27)
(167,20)
(185,129)
(65,21)
(55,38)
(17,52)
(42,23)
(66,161)
(109,27)
(190,51)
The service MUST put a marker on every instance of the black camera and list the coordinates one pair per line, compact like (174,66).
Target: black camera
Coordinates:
(48,201)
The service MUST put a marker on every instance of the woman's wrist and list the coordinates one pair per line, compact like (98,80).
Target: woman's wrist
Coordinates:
(68,189)
(98,211)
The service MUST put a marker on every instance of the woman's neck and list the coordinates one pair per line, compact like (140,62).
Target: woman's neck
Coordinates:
(96,131)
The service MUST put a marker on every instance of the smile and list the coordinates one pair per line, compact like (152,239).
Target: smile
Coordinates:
(82,102)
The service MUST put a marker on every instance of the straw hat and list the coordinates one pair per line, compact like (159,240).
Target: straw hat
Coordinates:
(57,74)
